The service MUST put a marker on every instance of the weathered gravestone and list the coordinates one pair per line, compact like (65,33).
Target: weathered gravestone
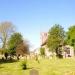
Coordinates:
(34,72)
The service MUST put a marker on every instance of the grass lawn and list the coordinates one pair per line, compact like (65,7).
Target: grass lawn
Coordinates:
(45,67)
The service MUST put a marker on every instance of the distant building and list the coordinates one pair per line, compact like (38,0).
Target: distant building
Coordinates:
(68,51)
(44,36)
(37,51)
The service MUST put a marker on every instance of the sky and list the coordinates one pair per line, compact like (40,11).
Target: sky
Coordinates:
(31,17)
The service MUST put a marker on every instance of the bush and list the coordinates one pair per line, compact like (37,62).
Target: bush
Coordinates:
(24,65)
(42,51)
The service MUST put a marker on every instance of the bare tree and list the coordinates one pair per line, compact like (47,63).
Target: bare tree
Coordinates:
(6,30)
(22,48)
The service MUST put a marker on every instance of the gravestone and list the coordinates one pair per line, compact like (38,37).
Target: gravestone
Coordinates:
(34,72)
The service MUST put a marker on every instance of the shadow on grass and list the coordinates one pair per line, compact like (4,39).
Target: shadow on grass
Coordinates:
(1,67)
(7,61)
(27,68)
(32,68)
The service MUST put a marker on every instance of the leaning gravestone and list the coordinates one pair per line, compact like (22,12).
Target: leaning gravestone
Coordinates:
(34,72)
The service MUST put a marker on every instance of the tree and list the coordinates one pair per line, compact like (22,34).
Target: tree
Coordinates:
(71,36)
(22,48)
(16,44)
(6,30)
(55,37)
(14,40)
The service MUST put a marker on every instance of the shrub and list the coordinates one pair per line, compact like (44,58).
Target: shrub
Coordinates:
(42,51)
(24,65)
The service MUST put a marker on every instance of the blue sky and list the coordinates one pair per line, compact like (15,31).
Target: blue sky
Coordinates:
(34,16)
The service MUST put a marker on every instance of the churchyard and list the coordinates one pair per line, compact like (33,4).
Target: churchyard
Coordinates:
(54,66)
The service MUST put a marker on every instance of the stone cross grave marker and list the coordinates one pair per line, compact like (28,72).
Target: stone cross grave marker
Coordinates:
(34,72)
